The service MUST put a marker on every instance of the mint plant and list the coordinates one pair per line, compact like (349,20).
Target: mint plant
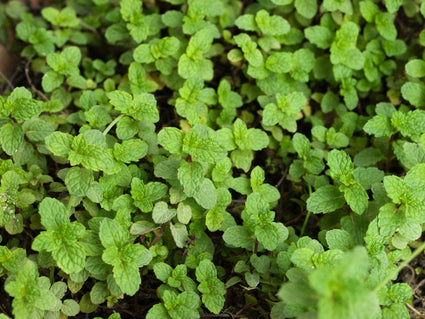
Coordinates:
(190,159)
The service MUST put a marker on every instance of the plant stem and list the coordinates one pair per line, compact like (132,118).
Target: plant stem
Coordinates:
(305,223)
(400,267)
(307,217)
(52,275)
(111,125)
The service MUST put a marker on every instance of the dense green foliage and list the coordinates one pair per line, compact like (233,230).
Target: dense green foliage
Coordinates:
(183,158)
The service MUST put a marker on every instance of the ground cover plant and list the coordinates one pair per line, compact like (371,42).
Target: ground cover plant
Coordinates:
(213,159)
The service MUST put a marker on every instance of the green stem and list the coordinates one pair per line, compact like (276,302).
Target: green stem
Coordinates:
(307,217)
(305,224)
(52,275)
(111,125)
(400,267)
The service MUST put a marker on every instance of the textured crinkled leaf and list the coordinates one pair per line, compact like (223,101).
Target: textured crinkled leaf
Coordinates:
(37,130)
(339,239)
(145,194)
(414,93)
(53,213)
(415,68)
(319,35)
(267,235)
(179,233)
(162,271)
(271,25)
(306,8)
(190,176)
(325,199)
(200,144)
(379,125)
(396,188)
(214,219)
(157,311)
(130,150)
(356,196)
(11,138)
(238,236)
(385,25)
(111,233)
(161,213)
(59,143)
(78,180)
(70,257)
(171,139)
(127,276)
(206,195)
(257,139)
(340,164)
(280,62)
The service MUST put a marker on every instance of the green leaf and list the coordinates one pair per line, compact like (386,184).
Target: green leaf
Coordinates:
(280,62)
(70,257)
(162,271)
(191,176)
(200,143)
(180,235)
(339,239)
(130,150)
(301,144)
(356,197)
(70,307)
(369,10)
(267,235)
(53,213)
(210,286)
(51,80)
(142,54)
(393,5)
(396,311)
(319,35)
(325,199)
(368,157)
(94,157)
(257,139)
(64,18)
(396,188)
(246,22)
(379,125)
(171,138)
(59,143)
(214,219)
(130,9)
(306,8)
(11,138)
(37,130)
(414,93)
(127,276)
(141,108)
(206,195)
(161,213)
(126,128)
(341,166)
(157,311)
(415,68)
(385,25)
(112,234)
(145,194)
(78,181)
(271,25)
(238,236)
